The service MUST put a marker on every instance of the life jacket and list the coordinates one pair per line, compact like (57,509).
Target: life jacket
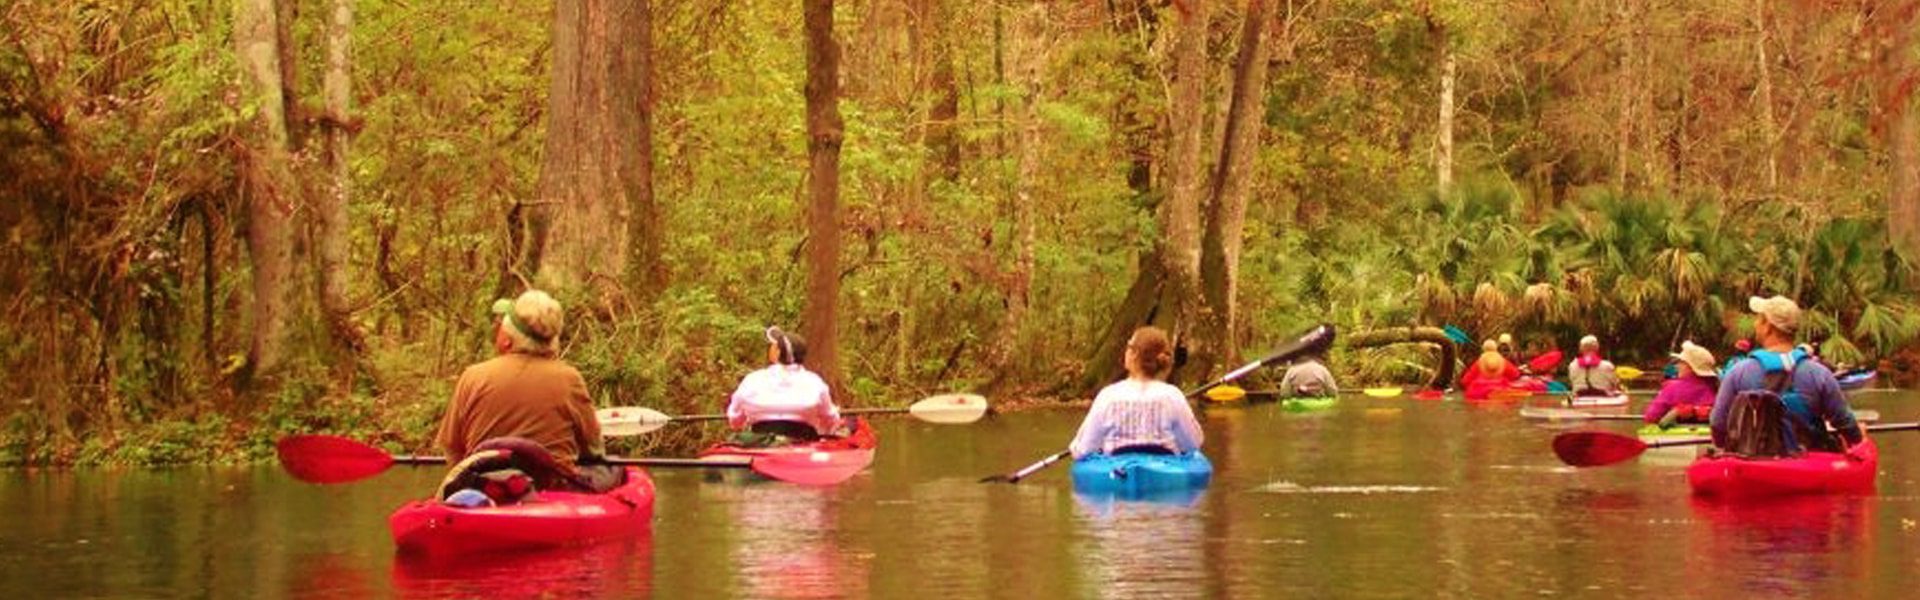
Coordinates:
(509,470)
(1776,420)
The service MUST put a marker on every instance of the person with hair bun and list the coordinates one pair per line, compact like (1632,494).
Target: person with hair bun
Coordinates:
(1140,413)
(783,400)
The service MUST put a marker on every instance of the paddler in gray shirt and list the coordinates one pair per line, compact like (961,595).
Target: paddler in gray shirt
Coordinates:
(1308,379)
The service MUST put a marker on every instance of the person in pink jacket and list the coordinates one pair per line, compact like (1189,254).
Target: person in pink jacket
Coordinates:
(1140,413)
(784,399)
(1688,397)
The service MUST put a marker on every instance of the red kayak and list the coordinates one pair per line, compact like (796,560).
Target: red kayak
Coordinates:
(825,462)
(1812,473)
(553,519)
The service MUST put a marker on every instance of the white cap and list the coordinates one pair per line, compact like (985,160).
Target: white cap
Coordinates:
(1589,341)
(1779,312)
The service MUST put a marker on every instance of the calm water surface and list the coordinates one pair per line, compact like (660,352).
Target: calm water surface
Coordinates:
(1375,498)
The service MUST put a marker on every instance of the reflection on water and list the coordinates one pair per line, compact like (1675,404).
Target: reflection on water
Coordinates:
(1375,498)
(622,568)
(785,542)
(1143,548)
(1791,546)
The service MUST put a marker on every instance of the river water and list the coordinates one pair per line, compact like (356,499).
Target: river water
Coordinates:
(1374,498)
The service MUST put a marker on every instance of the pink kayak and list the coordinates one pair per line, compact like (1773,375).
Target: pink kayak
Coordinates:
(554,519)
(827,461)
(1812,473)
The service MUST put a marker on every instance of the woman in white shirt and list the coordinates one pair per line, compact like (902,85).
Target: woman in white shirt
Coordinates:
(1140,413)
(785,398)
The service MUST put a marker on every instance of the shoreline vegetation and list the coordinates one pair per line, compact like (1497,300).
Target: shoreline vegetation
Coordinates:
(228,222)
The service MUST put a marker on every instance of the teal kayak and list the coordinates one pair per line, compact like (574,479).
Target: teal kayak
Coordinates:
(1139,474)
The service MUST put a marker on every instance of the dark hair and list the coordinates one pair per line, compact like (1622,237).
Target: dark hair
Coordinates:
(793,348)
(1152,351)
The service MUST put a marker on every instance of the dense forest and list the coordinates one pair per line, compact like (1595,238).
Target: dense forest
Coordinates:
(229,221)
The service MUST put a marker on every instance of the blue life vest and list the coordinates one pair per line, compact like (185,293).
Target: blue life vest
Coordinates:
(1784,366)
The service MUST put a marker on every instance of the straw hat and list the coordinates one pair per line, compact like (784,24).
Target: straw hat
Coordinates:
(1698,359)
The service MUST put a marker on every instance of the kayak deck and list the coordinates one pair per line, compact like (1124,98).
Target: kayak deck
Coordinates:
(1137,474)
(827,461)
(554,519)
(1811,473)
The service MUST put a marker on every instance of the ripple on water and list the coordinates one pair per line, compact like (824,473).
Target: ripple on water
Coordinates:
(1288,487)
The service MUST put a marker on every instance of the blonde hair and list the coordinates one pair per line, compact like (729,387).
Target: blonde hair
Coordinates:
(534,312)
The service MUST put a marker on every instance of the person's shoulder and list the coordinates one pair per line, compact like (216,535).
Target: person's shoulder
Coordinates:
(1162,389)
(1814,368)
(485,367)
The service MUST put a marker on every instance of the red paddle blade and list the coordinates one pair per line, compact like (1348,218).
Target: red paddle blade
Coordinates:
(1545,363)
(1596,448)
(330,459)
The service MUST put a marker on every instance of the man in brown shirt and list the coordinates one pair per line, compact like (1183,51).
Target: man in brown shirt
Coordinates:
(524,392)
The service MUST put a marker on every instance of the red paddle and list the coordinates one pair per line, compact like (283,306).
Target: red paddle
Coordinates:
(1545,363)
(1602,448)
(334,459)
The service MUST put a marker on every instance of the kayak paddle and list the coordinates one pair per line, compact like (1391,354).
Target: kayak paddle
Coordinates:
(1545,363)
(1565,414)
(1628,372)
(946,409)
(1233,393)
(334,459)
(1230,393)
(1318,338)
(1602,448)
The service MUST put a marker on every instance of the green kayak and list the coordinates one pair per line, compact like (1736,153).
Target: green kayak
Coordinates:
(1650,433)
(1309,404)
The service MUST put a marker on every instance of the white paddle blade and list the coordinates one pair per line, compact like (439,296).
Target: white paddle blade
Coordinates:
(630,420)
(950,409)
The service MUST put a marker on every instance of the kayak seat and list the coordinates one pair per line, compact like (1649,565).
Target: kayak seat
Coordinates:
(1142,449)
(509,470)
(795,431)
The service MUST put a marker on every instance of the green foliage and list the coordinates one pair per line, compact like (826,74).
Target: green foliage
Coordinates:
(1578,206)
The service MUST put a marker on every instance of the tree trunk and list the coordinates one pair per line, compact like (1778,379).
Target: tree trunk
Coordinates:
(943,139)
(1903,197)
(330,217)
(269,185)
(1763,95)
(1029,54)
(1623,95)
(1227,207)
(596,178)
(646,272)
(820,319)
(1443,154)
(1136,24)
(1180,214)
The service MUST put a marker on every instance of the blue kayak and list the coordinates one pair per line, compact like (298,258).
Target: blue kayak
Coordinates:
(1141,474)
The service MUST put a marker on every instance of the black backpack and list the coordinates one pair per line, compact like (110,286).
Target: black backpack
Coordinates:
(1759,421)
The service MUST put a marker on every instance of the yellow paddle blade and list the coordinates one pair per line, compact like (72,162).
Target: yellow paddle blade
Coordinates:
(1628,372)
(1226,393)
(1382,392)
